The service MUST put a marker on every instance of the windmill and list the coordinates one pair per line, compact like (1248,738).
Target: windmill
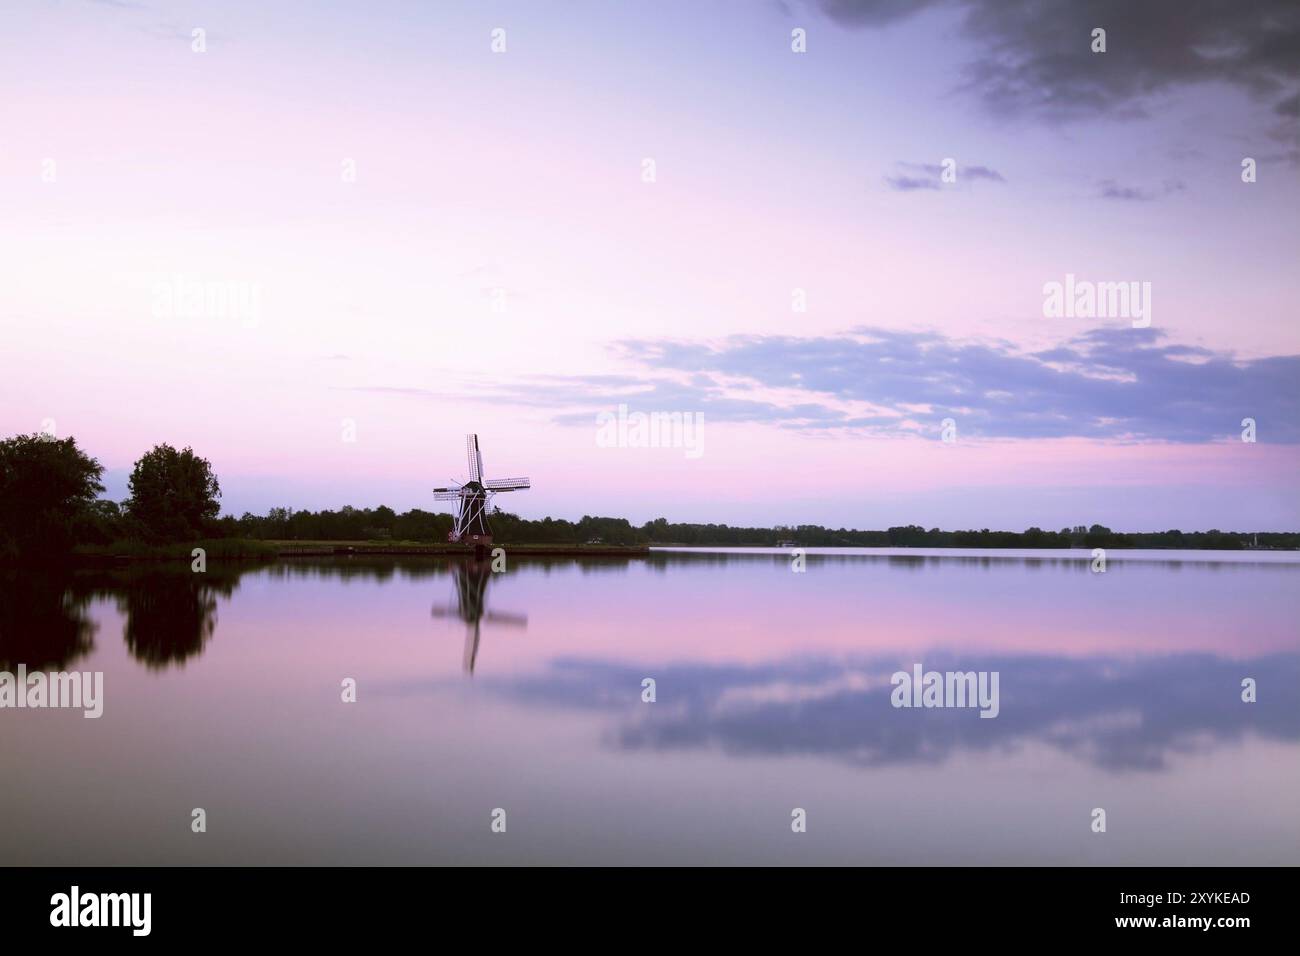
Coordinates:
(475,497)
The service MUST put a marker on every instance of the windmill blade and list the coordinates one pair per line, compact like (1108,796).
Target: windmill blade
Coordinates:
(475,459)
(447,491)
(507,484)
(447,496)
(507,617)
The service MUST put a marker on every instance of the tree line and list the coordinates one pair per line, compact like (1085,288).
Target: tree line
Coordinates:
(49,498)
(365,524)
(49,504)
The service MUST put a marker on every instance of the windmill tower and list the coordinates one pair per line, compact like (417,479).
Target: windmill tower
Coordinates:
(475,497)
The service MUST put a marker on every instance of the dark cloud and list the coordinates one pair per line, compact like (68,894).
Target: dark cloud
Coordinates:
(1115,383)
(575,400)
(1110,189)
(1113,190)
(982,172)
(1034,56)
(873,14)
(933,173)
(1111,383)
(906,184)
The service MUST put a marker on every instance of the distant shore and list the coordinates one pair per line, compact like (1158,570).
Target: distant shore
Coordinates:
(239,549)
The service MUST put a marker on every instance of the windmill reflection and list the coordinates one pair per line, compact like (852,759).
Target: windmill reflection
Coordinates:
(471,579)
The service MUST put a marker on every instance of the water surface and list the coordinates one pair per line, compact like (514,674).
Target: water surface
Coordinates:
(522,690)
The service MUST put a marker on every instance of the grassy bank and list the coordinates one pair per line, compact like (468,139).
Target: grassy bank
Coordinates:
(244,549)
(216,549)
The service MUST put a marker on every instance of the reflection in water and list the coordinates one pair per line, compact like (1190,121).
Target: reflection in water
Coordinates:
(170,613)
(1114,714)
(43,624)
(1120,690)
(170,617)
(921,558)
(1110,712)
(471,606)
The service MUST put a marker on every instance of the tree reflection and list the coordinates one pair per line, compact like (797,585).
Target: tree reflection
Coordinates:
(43,624)
(169,618)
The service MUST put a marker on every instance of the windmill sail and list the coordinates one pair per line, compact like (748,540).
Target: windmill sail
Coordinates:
(475,459)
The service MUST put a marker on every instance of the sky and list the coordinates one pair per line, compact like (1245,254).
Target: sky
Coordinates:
(320,243)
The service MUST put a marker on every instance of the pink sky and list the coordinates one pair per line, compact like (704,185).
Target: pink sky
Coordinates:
(522,172)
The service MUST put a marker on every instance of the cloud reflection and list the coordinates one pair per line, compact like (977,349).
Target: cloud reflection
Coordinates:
(1120,715)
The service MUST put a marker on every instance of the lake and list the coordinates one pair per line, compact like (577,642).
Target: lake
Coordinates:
(523,691)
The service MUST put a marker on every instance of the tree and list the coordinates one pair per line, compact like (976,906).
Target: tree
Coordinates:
(46,486)
(99,523)
(173,494)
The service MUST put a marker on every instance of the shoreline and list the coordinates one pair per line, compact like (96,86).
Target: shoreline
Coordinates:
(323,550)
(245,550)
(230,550)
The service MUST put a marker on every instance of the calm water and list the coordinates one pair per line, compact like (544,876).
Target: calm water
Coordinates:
(522,691)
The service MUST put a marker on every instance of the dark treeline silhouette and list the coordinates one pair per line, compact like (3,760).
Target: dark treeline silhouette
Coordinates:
(49,503)
(660,531)
(367,524)
(47,496)
(364,524)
